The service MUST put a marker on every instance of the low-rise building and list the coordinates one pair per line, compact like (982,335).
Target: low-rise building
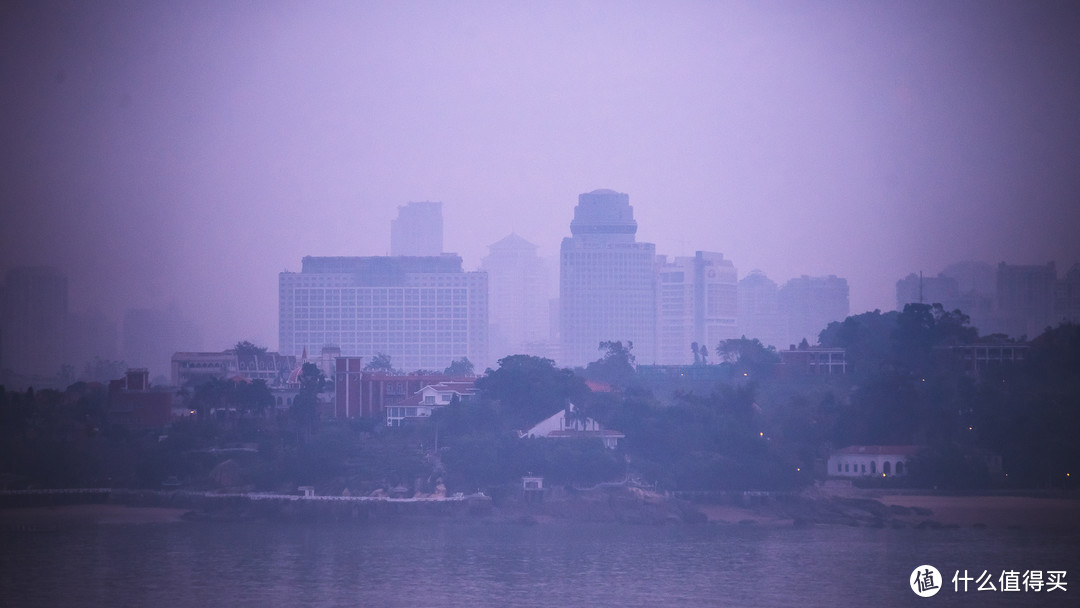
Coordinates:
(194,368)
(360,393)
(134,405)
(564,425)
(975,359)
(428,400)
(814,360)
(871,460)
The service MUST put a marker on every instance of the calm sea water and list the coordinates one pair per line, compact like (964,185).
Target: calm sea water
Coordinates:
(473,564)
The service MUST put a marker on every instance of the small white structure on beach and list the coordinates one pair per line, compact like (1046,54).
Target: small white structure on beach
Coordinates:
(871,460)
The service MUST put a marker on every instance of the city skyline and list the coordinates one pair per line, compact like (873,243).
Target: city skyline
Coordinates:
(166,155)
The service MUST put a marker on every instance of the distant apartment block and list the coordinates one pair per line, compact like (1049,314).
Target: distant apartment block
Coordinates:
(1025,299)
(520,289)
(759,310)
(917,289)
(1067,296)
(809,304)
(977,282)
(417,230)
(34,318)
(150,336)
(423,312)
(697,302)
(607,281)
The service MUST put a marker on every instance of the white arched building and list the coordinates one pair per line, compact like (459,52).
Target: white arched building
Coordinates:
(871,460)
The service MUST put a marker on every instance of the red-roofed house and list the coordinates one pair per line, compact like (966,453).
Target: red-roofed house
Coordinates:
(866,460)
(562,426)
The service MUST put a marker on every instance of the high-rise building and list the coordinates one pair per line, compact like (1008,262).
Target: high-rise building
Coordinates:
(917,289)
(809,304)
(150,336)
(759,310)
(424,312)
(697,303)
(90,336)
(518,299)
(1025,298)
(607,281)
(417,230)
(1067,296)
(35,314)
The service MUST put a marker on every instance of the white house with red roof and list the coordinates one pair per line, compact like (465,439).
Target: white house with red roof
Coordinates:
(871,460)
(428,400)
(563,425)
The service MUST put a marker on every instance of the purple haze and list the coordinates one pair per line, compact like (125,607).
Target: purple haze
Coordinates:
(188,153)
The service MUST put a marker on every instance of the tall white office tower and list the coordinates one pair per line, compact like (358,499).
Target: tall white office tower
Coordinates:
(607,281)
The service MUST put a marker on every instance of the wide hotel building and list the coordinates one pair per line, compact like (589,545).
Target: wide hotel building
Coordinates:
(424,312)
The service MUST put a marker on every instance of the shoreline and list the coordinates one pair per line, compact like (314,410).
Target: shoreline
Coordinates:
(628,505)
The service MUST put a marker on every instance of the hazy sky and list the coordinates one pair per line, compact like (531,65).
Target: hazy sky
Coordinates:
(187,152)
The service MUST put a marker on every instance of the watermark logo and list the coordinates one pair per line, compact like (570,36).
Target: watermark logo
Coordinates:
(925,581)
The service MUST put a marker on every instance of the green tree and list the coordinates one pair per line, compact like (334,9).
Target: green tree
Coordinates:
(253,397)
(247,349)
(749,358)
(866,338)
(460,367)
(379,363)
(529,389)
(616,366)
(305,407)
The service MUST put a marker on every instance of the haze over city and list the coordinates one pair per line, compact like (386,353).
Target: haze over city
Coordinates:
(185,154)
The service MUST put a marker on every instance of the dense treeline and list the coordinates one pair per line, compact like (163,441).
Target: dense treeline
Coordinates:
(743,422)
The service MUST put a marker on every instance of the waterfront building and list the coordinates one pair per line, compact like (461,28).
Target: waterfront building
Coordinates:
(423,312)
(607,281)
(871,460)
